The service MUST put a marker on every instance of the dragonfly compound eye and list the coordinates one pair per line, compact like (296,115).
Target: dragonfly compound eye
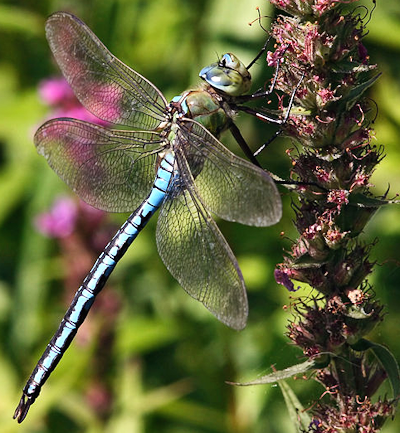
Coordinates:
(229,75)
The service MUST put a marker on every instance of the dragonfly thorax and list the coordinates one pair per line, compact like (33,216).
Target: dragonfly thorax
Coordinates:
(207,107)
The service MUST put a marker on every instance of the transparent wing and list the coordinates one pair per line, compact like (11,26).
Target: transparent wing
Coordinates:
(229,186)
(197,255)
(102,83)
(111,170)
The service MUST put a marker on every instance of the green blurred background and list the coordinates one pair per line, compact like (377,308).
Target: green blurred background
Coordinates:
(150,359)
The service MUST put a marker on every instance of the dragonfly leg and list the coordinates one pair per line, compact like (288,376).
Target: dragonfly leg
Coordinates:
(263,49)
(270,119)
(268,142)
(243,145)
(260,53)
(281,121)
(260,93)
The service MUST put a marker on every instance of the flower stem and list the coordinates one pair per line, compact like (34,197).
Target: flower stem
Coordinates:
(333,164)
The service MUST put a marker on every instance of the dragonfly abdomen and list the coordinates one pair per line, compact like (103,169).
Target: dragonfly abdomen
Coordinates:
(93,284)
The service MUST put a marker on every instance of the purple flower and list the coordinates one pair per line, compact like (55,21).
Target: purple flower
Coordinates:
(77,112)
(307,7)
(60,220)
(54,91)
(281,277)
(57,93)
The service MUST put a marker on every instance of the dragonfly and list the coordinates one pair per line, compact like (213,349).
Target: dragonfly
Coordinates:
(169,159)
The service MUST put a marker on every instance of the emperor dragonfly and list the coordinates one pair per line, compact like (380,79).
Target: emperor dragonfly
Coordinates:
(173,162)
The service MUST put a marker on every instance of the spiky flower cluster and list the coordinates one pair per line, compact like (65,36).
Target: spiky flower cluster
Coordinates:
(307,8)
(321,46)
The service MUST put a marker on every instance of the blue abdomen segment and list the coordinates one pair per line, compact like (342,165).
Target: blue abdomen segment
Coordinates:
(93,284)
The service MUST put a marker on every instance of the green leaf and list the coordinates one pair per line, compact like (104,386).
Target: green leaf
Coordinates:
(298,415)
(276,376)
(358,313)
(364,201)
(357,91)
(386,359)
(348,67)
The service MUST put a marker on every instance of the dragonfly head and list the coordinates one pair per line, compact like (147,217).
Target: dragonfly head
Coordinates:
(228,75)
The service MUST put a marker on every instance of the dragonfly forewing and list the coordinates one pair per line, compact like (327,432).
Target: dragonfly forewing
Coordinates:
(103,84)
(229,186)
(109,169)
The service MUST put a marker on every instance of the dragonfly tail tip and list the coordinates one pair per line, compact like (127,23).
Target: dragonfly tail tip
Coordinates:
(22,409)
